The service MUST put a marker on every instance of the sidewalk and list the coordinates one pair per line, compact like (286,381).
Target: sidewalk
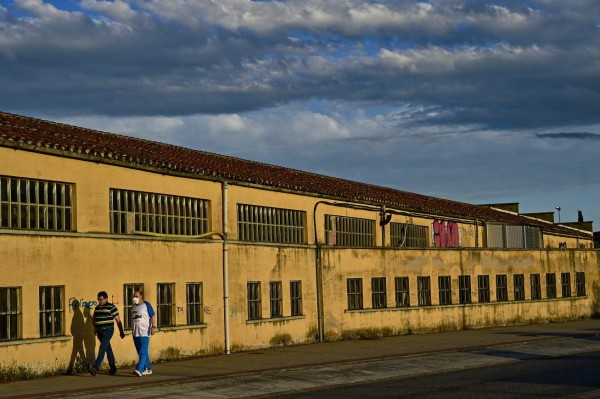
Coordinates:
(302,356)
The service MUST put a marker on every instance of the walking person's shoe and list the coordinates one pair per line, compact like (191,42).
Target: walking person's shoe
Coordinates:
(135,372)
(112,371)
(147,372)
(92,370)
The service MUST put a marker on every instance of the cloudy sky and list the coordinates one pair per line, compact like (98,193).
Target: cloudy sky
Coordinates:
(475,101)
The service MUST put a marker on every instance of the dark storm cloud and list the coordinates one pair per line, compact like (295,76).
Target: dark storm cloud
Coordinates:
(569,136)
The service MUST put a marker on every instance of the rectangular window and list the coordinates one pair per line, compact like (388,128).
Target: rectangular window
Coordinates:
(193,299)
(580,283)
(35,204)
(52,311)
(254,302)
(264,224)
(501,288)
(378,293)
(408,235)
(483,288)
(349,232)
(519,282)
(551,285)
(355,293)
(165,304)
(275,299)
(296,298)
(10,313)
(565,279)
(507,236)
(424,290)
(402,292)
(536,286)
(445,289)
(136,211)
(464,289)
(128,290)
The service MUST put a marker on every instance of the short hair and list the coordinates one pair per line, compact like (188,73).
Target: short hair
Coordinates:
(140,291)
(102,294)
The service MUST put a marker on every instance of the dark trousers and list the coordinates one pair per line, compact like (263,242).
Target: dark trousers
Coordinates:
(104,335)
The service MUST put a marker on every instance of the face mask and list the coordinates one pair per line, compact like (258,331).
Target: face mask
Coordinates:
(136,300)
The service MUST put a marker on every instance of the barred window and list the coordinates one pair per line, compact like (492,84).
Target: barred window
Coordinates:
(408,235)
(501,288)
(10,313)
(355,293)
(550,285)
(128,290)
(296,297)
(132,211)
(519,286)
(483,288)
(165,304)
(52,311)
(565,279)
(536,286)
(402,292)
(275,299)
(264,224)
(580,283)
(349,232)
(464,289)
(508,236)
(35,204)
(378,293)
(424,290)
(254,302)
(193,300)
(445,290)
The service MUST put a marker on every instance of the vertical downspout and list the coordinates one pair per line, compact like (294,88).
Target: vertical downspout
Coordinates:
(476,233)
(319,279)
(225,269)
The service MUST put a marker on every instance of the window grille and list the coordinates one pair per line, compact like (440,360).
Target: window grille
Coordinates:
(10,313)
(533,237)
(501,288)
(355,293)
(445,290)
(464,289)
(565,279)
(193,299)
(402,292)
(296,298)
(580,283)
(483,288)
(551,285)
(35,204)
(424,290)
(254,302)
(416,236)
(165,304)
(157,213)
(349,232)
(52,311)
(508,236)
(264,224)
(378,293)
(536,286)
(275,299)
(519,286)
(128,290)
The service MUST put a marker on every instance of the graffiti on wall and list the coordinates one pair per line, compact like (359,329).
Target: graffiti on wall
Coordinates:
(445,234)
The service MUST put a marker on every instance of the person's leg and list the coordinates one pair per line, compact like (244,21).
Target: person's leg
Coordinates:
(104,339)
(148,366)
(143,354)
(109,352)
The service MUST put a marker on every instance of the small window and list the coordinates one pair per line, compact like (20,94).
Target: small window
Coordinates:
(402,292)
(501,288)
(378,292)
(275,299)
(464,289)
(580,283)
(519,281)
(254,302)
(193,299)
(445,288)
(10,313)
(128,290)
(550,285)
(265,224)
(408,235)
(424,290)
(483,288)
(355,293)
(296,298)
(52,311)
(536,286)
(165,304)
(565,279)
(349,232)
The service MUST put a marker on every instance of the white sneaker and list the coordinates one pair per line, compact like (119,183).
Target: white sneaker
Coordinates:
(146,372)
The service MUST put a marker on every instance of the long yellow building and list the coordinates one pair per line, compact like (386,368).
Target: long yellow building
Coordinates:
(235,254)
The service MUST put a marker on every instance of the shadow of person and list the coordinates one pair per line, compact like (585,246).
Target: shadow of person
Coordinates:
(77,332)
(89,338)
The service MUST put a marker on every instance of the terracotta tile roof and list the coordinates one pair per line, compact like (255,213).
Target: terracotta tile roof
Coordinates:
(71,141)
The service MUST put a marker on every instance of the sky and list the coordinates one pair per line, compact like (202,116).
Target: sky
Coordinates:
(470,100)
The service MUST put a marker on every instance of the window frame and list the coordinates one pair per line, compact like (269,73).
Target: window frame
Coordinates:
(257,223)
(128,290)
(464,289)
(296,298)
(580,284)
(483,288)
(10,311)
(445,290)
(565,280)
(402,291)
(424,290)
(275,299)
(519,287)
(551,285)
(55,313)
(165,304)
(501,288)
(378,293)
(346,231)
(194,295)
(254,300)
(354,291)
(417,236)
(535,282)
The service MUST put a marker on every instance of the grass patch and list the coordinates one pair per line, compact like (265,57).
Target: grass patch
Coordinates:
(281,340)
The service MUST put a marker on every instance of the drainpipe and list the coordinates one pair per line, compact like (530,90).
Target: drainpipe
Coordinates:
(225,270)
(319,279)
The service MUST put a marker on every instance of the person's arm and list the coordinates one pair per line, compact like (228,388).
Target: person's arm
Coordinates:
(153,329)
(120,325)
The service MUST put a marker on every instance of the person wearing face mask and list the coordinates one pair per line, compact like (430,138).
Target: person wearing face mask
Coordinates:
(143,325)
